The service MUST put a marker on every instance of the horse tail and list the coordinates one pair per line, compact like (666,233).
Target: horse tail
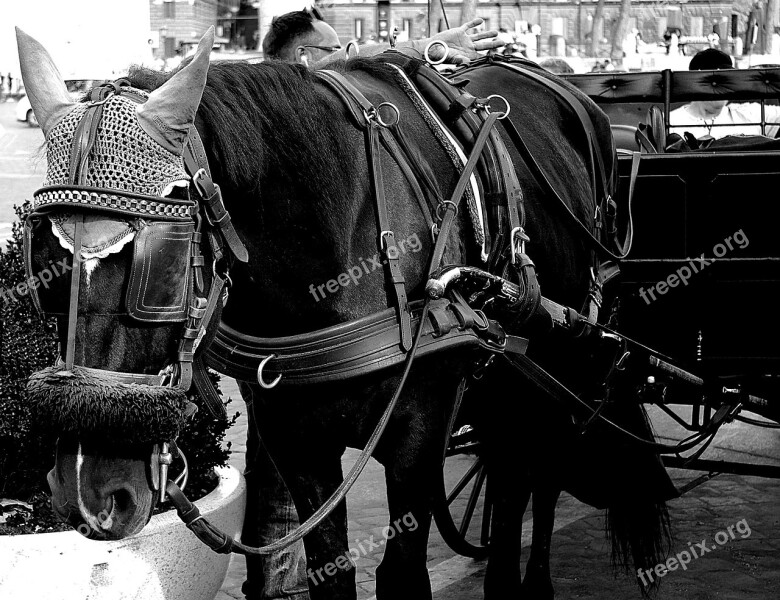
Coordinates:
(640,533)
(638,524)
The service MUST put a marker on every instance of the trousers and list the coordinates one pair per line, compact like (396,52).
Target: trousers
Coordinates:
(270,514)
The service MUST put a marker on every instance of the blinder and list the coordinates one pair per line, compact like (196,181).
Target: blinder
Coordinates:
(162,253)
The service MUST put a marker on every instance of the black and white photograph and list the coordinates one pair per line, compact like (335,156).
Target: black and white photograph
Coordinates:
(389,300)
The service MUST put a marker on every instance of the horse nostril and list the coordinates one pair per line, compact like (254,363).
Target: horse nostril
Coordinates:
(123,500)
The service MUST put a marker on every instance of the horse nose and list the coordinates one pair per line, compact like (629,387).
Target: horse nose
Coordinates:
(104,499)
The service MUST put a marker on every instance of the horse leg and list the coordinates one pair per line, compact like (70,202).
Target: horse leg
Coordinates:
(270,515)
(411,453)
(510,494)
(403,571)
(537,583)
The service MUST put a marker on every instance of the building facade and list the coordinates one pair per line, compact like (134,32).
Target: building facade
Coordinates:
(570,20)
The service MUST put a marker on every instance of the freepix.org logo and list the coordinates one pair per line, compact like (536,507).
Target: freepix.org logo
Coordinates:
(733,242)
(366,267)
(682,559)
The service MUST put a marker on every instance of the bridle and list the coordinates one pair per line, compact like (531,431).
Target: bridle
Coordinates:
(165,226)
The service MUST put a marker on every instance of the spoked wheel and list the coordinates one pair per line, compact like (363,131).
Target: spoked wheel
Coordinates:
(463,513)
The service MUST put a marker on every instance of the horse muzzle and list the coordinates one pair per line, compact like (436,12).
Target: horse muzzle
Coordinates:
(102,497)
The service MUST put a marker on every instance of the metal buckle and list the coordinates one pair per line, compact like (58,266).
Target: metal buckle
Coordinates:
(517,248)
(199,174)
(369,114)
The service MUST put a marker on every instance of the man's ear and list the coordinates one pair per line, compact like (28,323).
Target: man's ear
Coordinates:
(301,56)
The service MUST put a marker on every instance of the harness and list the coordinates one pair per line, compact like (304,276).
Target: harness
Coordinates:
(444,320)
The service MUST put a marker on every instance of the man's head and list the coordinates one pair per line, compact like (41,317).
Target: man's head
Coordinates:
(709,60)
(300,37)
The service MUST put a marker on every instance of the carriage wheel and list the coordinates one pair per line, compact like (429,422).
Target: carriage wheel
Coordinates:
(463,511)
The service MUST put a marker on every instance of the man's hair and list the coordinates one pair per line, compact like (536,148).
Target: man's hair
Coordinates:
(709,60)
(286,30)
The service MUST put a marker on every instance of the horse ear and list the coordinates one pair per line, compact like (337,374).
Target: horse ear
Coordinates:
(170,110)
(43,83)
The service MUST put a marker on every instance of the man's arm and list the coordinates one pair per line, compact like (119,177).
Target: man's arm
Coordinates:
(462,46)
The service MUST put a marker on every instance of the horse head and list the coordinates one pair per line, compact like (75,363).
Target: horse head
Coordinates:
(113,243)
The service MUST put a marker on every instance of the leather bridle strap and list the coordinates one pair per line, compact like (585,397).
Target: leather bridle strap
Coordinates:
(73,305)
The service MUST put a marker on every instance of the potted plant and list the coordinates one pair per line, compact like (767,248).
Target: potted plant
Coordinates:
(165,560)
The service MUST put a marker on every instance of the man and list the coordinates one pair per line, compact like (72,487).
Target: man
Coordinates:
(703,118)
(302,37)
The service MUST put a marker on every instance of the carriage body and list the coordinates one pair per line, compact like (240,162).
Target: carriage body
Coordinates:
(687,289)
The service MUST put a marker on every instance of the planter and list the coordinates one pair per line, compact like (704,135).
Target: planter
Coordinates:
(163,562)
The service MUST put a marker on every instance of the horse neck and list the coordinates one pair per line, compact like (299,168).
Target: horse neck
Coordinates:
(314,252)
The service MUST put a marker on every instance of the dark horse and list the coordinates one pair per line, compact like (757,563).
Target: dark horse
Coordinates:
(294,172)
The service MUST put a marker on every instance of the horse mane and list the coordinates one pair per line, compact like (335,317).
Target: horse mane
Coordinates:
(257,119)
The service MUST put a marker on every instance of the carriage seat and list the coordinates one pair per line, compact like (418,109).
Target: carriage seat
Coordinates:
(625,138)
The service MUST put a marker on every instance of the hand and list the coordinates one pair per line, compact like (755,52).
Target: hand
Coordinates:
(463,46)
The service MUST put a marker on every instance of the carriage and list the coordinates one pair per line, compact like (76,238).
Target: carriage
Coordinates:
(687,206)
(476,306)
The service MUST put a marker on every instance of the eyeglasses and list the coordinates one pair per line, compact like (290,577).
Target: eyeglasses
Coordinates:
(330,49)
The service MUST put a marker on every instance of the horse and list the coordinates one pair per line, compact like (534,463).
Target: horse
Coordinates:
(300,192)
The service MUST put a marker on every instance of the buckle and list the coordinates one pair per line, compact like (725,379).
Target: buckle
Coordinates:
(386,242)
(517,240)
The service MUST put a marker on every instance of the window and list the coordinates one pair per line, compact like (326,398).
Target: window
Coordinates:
(359,29)
(697,27)
(169,10)
(406,27)
(170,47)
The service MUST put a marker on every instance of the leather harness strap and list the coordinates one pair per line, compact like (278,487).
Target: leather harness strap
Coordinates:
(387,245)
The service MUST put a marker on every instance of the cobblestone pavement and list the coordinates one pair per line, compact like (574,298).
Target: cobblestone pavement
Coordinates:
(746,567)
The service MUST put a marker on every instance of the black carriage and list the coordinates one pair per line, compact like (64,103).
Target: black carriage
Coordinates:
(699,284)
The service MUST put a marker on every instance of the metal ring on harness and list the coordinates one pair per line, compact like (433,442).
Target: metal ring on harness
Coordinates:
(427,56)
(352,44)
(260,380)
(379,114)
(504,100)
(443,204)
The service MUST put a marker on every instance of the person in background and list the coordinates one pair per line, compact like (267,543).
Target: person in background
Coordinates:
(302,37)
(705,118)
(556,65)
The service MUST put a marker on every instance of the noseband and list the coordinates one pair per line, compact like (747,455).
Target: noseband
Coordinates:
(167,249)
